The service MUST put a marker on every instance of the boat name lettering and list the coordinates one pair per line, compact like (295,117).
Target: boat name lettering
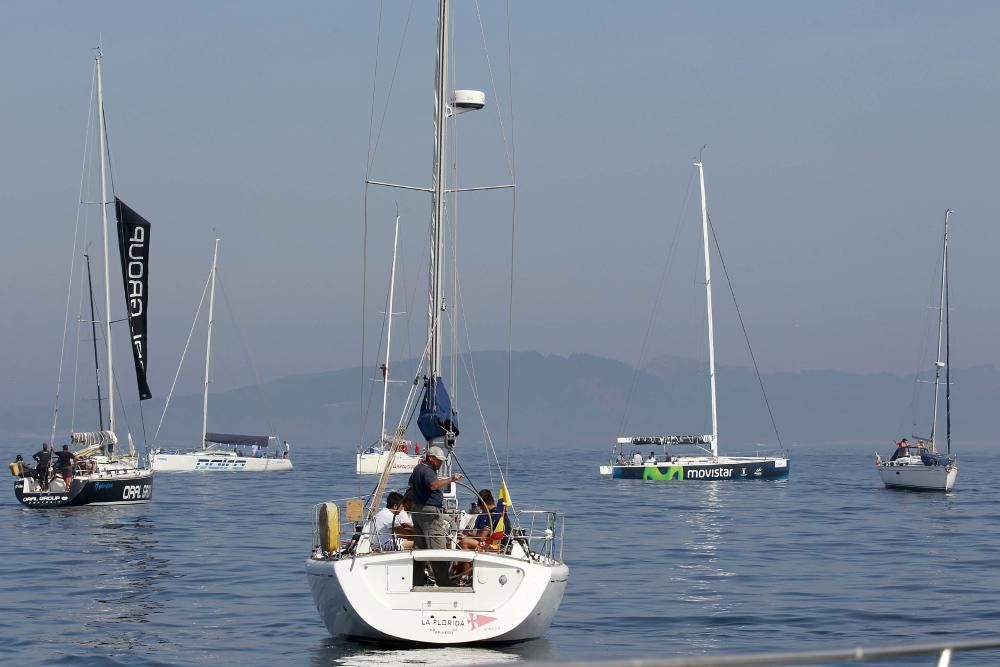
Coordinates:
(103,485)
(137,492)
(702,473)
(443,622)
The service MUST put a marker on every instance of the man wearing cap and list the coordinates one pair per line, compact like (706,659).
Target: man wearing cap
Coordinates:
(430,526)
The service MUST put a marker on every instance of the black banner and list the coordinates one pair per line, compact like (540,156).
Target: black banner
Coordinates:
(133,241)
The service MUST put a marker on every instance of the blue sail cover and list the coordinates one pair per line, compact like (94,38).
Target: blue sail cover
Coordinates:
(436,419)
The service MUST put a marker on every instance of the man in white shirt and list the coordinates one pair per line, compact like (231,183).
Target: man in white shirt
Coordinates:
(392,524)
(637,459)
(651,461)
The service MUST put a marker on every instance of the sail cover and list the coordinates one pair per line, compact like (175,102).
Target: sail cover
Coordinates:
(236,439)
(133,242)
(437,419)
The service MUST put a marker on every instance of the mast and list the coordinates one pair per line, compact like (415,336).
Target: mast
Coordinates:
(104,223)
(708,302)
(939,364)
(436,303)
(947,339)
(93,331)
(388,335)
(208,349)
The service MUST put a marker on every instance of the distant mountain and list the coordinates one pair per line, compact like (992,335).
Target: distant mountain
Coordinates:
(578,401)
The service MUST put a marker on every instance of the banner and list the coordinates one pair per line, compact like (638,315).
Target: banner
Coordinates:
(133,242)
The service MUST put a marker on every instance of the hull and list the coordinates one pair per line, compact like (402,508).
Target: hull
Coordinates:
(370,598)
(684,468)
(374,463)
(919,477)
(126,488)
(216,462)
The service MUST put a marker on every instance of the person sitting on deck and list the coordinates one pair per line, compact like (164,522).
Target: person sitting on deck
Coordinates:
(651,461)
(481,535)
(392,525)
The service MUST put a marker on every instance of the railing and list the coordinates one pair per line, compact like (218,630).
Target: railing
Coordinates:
(943,651)
(539,532)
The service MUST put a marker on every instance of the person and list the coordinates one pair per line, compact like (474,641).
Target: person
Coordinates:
(481,534)
(902,449)
(637,459)
(666,456)
(430,525)
(43,457)
(392,525)
(288,450)
(651,461)
(65,464)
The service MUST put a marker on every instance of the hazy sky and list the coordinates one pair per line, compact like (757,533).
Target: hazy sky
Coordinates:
(837,135)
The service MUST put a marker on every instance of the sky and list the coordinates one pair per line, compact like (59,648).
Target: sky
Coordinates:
(834,136)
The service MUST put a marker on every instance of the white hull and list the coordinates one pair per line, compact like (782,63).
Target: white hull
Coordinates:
(216,461)
(370,597)
(919,476)
(374,463)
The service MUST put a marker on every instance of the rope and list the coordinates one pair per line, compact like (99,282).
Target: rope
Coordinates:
(746,336)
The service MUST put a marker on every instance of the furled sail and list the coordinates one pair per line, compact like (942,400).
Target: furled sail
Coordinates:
(133,242)
(437,419)
(236,439)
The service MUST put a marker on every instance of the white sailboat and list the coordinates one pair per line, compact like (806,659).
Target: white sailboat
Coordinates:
(510,588)
(377,457)
(709,465)
(920,465)
(103,474)
(221,452)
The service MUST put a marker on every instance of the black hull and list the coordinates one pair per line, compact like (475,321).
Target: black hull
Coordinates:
(122,490)
(711,472)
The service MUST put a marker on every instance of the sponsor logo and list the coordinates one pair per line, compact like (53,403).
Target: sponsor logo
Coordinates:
(136,270)
(103,485)
(220,464)
(709,473)
(137,492)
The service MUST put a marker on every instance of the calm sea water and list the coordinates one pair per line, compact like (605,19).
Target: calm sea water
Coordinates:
(212,570)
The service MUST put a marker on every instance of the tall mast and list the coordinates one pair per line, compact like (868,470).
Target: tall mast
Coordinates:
(708,302)
(436,301)
(939,363)
(947,338)
(93,332)
(388,335)
(208,348)
(104,222)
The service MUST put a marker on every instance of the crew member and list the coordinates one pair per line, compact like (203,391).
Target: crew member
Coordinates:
(43,457)
(430,525)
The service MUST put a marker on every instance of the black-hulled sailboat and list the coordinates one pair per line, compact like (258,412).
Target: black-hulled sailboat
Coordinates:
(103,472)
(708,465)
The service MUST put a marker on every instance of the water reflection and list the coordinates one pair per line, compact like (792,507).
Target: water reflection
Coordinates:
(338,652)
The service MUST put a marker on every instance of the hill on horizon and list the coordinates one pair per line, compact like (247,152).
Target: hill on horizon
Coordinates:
(575,401)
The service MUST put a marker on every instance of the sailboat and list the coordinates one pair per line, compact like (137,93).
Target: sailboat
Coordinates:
(919,465)
(510,587)
(222,452)
(103,473)
(377,457)
(709,464)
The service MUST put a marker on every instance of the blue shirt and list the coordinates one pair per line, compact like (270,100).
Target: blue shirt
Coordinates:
(421,479)
(488,521)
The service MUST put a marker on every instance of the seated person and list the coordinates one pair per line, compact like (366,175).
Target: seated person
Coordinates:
(481,535)
(393,526)
(651,461)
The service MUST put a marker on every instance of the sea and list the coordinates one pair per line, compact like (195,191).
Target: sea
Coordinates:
(212,570)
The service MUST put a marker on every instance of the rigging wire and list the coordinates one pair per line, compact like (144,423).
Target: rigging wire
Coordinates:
(746,336)
(644,348)
(370,163)
(180,364)
(72,267)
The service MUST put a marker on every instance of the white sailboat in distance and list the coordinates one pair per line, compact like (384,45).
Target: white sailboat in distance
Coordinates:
(919,465)
(221,452)
(709,465)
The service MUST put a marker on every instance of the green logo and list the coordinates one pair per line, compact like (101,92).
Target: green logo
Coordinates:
(673,472)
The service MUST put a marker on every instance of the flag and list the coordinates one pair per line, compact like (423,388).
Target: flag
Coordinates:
(503,502)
